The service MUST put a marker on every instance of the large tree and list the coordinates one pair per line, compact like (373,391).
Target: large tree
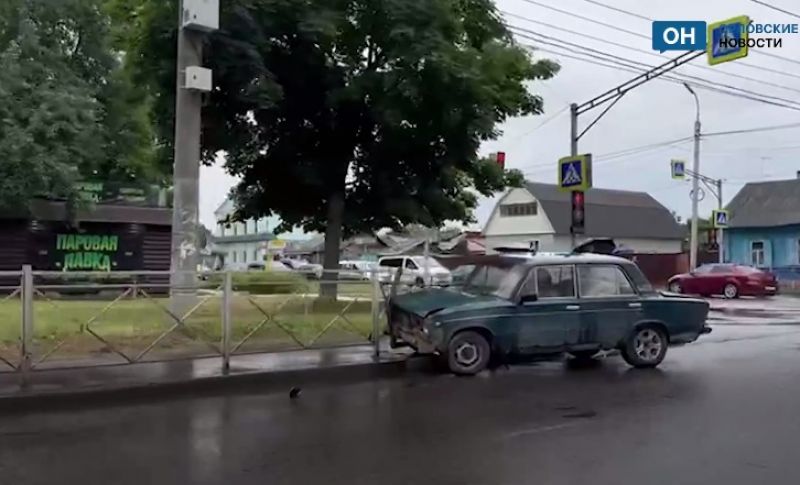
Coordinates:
(344,116)
(68,110)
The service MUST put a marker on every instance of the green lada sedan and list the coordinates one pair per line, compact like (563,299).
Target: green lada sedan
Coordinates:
(579,304)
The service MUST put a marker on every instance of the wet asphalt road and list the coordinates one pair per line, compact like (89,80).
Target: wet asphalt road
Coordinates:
(724,411)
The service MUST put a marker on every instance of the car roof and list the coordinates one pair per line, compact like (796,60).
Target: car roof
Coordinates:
(585,258)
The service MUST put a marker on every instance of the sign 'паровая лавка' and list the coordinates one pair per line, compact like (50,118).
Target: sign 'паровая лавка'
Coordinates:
(87,252)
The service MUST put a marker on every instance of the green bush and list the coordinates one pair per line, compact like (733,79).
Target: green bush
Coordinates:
(263,282)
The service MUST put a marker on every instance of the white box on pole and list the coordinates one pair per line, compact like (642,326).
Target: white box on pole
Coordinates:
(198,79)
(202,15)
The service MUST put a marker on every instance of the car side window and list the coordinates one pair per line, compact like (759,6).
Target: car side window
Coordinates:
(720,268)
(603,281)
(551,282)
(705,269)
(410,264)
(390,263)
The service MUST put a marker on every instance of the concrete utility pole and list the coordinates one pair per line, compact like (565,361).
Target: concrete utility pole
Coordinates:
(695,186)
(721,231)
(573,147)
(195,19)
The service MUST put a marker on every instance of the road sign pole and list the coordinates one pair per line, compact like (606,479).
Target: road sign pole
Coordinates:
(720,238)
(573,151)
(695,181)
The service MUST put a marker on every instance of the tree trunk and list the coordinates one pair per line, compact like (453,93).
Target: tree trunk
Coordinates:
(333,238)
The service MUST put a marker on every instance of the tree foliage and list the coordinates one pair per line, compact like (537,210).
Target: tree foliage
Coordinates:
(350,115)
(67,109)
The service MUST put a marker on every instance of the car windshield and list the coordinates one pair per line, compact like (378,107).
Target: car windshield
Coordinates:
(500,281)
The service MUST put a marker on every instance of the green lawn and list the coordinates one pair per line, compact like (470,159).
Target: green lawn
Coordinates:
(130,325)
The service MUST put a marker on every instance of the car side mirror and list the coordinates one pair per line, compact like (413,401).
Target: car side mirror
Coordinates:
(527,298)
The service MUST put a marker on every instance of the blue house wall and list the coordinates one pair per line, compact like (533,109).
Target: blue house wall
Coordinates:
(781,248)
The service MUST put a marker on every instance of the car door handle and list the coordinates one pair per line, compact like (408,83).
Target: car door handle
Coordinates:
(635,305)
(573,307)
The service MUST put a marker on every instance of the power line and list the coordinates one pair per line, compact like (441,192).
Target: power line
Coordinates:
(571,14)
(650,53)
(773,7)
(644,147)
(637,34)
(638,16)
(706,84)
(619,67)
(584,49)
(753,130)
(616,156)
(544,122)
(621,10)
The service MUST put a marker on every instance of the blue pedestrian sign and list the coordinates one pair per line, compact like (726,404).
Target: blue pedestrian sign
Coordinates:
(678,169)
(575,173)
(720,218)
(727,40)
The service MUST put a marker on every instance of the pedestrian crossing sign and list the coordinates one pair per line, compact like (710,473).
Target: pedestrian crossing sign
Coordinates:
(678,169)
(720,218)
(575,173)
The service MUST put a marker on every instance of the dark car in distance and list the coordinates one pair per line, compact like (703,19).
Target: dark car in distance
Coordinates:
(579,304)
(728,280)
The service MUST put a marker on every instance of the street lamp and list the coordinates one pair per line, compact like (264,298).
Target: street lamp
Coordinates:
(695,187)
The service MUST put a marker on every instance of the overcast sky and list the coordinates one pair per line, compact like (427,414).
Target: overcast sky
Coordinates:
(655,112)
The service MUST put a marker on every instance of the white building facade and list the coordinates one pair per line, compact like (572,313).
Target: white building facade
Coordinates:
(540,215)
(239,244)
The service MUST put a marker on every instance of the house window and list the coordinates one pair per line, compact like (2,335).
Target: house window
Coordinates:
(235,229)
(515,210)
(757,253)
(244,256)
(255,255)
(234,256)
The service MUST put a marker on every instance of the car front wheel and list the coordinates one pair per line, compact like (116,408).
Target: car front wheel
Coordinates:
(645,347)
(675,287)
(468,353)
(730,291)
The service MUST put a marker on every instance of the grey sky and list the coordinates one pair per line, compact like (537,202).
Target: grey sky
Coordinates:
(655,112)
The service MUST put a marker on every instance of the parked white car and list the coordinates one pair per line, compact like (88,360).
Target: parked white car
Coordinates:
(355,270)
(417,271)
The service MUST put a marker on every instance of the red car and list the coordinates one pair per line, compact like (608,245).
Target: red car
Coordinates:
(728,280)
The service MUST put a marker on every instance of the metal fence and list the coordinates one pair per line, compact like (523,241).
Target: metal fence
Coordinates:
(56,319)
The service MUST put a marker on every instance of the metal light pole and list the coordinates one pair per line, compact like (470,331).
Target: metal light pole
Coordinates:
(573,149)
(695,187)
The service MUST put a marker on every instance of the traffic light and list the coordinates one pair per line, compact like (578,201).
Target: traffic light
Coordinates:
(501,159)
(578,212)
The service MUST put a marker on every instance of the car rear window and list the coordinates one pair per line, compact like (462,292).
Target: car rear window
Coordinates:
(638,278)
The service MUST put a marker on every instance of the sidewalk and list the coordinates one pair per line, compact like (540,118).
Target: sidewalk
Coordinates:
(173,378)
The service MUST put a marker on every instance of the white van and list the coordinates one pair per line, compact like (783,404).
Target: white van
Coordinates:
(414,271)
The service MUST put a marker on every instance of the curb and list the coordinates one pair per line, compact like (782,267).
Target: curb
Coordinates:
(239,383)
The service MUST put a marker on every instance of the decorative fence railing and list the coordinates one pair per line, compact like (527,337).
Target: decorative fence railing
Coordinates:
(56,319)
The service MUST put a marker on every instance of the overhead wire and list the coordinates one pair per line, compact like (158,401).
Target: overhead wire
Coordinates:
(649,19)
(618,66)
(773,7)
(642,36)
(649,53)
(560,43)
(545,121)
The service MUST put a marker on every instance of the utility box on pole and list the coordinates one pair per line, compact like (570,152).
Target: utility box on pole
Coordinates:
(201,15)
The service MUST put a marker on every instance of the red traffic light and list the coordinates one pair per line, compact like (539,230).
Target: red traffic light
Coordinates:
(501,159)
(577,199)
(578,213)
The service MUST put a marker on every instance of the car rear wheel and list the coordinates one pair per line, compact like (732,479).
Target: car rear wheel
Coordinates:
(468,353)
(675,287)
(730,291)
(646,347)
